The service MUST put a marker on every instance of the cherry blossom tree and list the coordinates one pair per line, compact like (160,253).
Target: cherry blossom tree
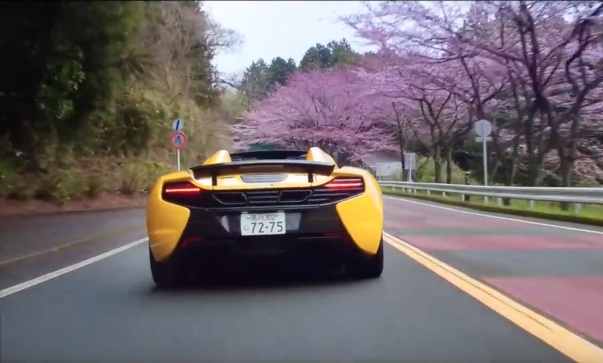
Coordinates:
(426,98)
(535,65)
(556,67)
(469,80)
(331,109)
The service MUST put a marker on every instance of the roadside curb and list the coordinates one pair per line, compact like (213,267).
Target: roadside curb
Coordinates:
(71,211)
(66,210)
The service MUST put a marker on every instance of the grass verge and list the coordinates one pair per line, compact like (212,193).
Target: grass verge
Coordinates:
(589,214)
(93,184)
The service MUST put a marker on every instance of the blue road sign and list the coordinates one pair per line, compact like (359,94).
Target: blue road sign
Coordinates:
(178,125)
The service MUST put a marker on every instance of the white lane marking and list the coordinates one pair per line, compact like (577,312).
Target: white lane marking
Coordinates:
(38,280)
(402,199)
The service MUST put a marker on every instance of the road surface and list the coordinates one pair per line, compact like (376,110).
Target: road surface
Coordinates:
(109,310)
(553,267)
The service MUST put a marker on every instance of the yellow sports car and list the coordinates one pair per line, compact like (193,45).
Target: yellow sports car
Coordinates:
(265,203)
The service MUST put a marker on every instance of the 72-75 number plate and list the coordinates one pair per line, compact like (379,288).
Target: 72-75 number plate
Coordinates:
(263,224)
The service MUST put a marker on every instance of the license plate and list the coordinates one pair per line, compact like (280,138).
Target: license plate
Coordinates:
(263,224)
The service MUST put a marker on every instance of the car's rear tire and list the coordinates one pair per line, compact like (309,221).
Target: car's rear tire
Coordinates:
(369,267)
(167,274)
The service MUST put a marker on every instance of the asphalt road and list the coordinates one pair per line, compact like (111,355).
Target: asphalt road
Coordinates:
(110,311)
(35,245)
(552,267)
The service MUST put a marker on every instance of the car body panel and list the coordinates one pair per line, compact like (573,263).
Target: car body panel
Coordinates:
(165,221)
(366,232)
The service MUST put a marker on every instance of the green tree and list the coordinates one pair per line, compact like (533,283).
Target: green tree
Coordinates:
(62,61)
(279,70)
(255,83)
(90,89)
(335,53)
(259,79)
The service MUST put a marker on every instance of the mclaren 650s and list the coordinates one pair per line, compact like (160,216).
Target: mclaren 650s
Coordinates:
(265,203)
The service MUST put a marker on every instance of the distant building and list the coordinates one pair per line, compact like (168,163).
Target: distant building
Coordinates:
(383,164)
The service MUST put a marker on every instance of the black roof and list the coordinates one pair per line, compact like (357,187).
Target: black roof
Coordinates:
(269,155)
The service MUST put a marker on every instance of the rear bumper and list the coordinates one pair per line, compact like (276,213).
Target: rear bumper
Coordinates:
(309,250)
(313,232)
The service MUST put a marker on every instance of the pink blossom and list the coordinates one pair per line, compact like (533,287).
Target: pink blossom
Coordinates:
(536,65)
(331,109)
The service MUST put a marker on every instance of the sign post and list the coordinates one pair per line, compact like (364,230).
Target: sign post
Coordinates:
(178,141)
(483,129)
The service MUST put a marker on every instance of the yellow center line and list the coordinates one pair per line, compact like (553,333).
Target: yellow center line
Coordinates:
(109,233)
(553,334)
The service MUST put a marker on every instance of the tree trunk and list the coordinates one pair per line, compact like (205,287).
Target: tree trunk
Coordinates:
(567,157)
(437,164)
(400,141)
(449,166)
(510,176)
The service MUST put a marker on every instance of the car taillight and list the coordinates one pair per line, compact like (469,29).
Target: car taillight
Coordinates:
(345,184)
(181,188)
(179,191)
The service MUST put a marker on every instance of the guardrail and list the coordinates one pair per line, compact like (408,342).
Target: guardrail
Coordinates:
(576,196)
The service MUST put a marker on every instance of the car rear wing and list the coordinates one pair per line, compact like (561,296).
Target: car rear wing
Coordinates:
(262,166)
